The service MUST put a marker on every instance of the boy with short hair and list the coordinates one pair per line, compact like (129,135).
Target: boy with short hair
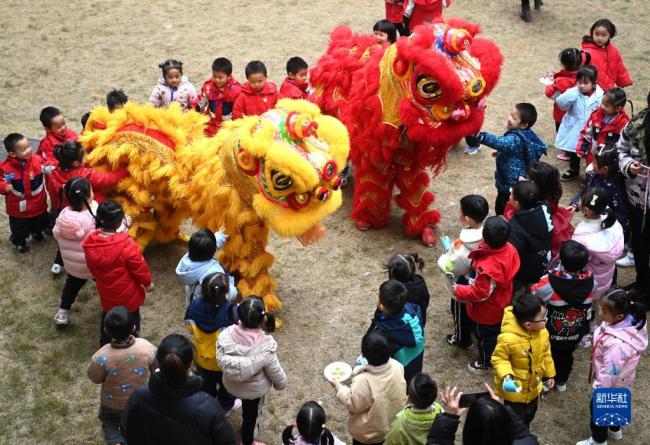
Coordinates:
(258,95)
(116,99)
(295,85)
(522,358)
(567,290)
(121,367)
(199,261)
(218,95)
(516,150)
(377,392)
(413,424)
(531,232)
(495,263)
(56,132)
(24,190)
(401,322)
(456,264)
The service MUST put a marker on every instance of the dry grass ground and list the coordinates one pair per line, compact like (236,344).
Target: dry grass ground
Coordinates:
(70,54)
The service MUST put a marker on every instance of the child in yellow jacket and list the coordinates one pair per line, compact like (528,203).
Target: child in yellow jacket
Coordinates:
(522,358)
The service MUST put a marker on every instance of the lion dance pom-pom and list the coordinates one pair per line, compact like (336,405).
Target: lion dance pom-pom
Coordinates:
(277,171)
(405,105)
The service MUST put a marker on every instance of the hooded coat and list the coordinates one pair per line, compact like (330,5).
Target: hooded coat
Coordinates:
(578,108)
(254,103)
(631,148)
(609,63)
(46,146)
(418,293)
(23,181)
(524,355)
(562,81)
(219,104)
(206,321)
(164,95)
(98,181)
(70,229)
(531,232)
(491,290)
(412,426)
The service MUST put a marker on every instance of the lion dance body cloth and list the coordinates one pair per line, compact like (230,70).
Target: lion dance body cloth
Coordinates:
(277,171)
(405,105)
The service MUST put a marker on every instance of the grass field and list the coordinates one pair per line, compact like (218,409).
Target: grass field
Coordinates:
(71,54)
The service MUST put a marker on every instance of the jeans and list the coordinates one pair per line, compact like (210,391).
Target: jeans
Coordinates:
(563,359)
(110,419)
(599,433)
(21,228)
(503,196)
(251,417)
(526,411)
(213,385)
(486,337)
(104,338)
(70,291)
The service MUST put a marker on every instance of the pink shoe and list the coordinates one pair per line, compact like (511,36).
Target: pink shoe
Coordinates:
(562,156)
(235,406)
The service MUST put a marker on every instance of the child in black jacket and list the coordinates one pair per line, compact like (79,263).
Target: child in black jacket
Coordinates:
(404,268)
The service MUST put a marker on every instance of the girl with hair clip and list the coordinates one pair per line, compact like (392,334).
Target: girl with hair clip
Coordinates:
(173,87)
(171,407)
(310,422)
(206,317)
(71,227)
(405,268)
(605,56)
(247,356)
(619,342)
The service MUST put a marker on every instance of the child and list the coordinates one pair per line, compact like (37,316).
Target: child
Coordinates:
(71,227)
(618,344)
(401,323)
(495,263)
(377,392)
(23,188)
(218,95)
(121,367)
(578,102)
(115,261)
(567,291)
(515,150)
(571,60)
(116,99)
(605,56)
(56,132)
(413,423)
(247,356)
(295,85)
(199,261)
(417,12)
(404,268)
(522,358)
(173,87)
(531,232)
(473,211)
(395,15)
(257,95)
(206,317)
(310,422)
(385,32)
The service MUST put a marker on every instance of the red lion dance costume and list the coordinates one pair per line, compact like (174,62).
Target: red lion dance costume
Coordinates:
(404,106)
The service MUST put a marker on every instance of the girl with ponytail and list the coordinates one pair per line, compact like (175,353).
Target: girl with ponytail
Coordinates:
(171,407)
(618,344)
(71,227)
(310,423)
(405,268)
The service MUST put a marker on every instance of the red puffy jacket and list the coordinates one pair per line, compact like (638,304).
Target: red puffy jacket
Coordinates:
(254,103)
(98,180)
(294,89)
(609,63)
(27,184)
(562,81)
(424,11)
(220,103)
(491,291)
(597,132)
(50,140)
(119,269)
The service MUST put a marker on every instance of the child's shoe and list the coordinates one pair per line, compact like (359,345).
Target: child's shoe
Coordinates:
(590,441)
(569,175)
(562,156)
(472,150)
(452,341)
(57,269)
(586,341)
(627,260)
(560,386)
(23,248)
(61,317)
(235,406)
(38,236)
(476,367)
(615,435)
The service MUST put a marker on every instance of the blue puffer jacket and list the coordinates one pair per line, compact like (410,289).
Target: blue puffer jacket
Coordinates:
(516,150)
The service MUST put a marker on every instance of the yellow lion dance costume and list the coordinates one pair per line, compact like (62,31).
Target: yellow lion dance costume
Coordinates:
(276,171)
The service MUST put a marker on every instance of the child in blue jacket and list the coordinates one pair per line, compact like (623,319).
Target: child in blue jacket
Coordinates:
(516,150)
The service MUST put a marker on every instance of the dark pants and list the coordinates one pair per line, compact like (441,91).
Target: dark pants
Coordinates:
(70,291)
(104,338)
(462,323)
(110,419)
(557,126)
(58,259)
(356,442)
(526,411)
(503,196)
(21,228)
(213,385)
(640,243)
(401,29)
(574,163)
(486,340)
(599,433)
(251,417)
(563,359)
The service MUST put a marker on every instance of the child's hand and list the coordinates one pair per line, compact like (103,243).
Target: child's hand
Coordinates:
(550,383)
(509,384)
(492,393)
(335,384)
(450,400)
(572,208)
(636,168)
(149,288)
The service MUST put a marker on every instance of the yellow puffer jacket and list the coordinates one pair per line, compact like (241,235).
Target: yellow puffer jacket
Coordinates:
(524,355)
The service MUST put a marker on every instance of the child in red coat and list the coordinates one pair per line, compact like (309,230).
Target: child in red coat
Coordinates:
(395,15)
(295,85)
(116,262)
(605,56)
(495,263)
(571,59)
(417,12)
(257,95)
(24,190)
(56,132)
(218,95)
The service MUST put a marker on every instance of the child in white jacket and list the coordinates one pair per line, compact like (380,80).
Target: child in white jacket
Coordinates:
(173,87)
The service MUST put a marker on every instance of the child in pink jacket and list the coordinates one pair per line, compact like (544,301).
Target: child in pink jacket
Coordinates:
(618,344)
(71,227)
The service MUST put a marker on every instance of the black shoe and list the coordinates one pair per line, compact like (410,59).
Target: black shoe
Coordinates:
(451,340)
(538,5)
(569,175)
(38,236)
(525,11)
(22,248)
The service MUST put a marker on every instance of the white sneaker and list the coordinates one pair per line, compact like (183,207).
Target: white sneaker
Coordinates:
(616,435)
(470,150)
(61,317)
(560,387)
(590,441)
(57,269)
(235,406)
(626,261)
(586,341)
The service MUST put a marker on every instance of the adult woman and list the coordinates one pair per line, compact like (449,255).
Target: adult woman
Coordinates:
(171,408)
